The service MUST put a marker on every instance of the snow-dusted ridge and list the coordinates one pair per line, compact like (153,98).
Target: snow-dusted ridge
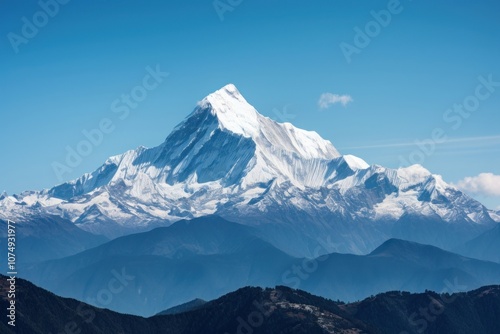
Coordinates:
(237,116)
(227,159)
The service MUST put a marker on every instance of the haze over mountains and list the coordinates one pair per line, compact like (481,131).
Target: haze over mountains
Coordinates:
(234,199)
(208,257)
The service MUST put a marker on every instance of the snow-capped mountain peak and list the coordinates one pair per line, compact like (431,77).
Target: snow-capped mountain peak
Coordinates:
(232,110)
(236,115)
(355,163)
(227,159)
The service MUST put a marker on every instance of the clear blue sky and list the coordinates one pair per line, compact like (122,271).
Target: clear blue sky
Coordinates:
(280,54)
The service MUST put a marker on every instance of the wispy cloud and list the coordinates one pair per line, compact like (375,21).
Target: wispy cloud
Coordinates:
(328,99)
(485,184)
(474,141)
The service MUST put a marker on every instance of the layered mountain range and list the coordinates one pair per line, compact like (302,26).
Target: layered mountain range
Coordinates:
(232,199)
(207,257)
(227,159)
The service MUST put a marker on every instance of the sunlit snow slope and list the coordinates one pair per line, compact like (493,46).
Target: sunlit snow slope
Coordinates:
(227,159)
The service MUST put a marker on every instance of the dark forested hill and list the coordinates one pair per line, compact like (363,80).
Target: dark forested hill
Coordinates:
(257,310)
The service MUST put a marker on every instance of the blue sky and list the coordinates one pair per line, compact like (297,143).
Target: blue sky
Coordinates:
(282,55)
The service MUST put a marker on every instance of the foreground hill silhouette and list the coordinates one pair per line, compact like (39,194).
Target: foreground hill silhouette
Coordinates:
(257,310)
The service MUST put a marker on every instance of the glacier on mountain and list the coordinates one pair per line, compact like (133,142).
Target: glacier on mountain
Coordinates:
(227,159)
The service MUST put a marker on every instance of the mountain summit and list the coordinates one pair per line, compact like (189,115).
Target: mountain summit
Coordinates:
(237,116)
(225,139)
(227,159)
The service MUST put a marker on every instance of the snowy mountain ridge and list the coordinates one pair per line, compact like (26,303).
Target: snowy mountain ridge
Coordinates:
(227,159)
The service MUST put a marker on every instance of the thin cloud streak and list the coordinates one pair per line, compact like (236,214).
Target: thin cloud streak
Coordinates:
(411,144)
